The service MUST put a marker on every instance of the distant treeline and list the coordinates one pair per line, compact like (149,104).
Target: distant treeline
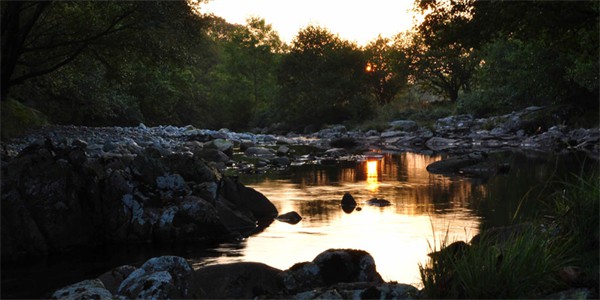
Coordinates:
(159,62)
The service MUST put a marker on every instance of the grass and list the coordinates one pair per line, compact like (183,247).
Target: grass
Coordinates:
(525,263)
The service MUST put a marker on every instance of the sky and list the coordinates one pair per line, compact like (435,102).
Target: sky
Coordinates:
(360,21)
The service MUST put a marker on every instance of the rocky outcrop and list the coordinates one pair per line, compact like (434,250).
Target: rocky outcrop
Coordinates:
(244,280)
(56,198)
(331,267)
(338,273)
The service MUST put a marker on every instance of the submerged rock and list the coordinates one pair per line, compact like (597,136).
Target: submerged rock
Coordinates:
(348,201)
(455,164)
(291,217)
(378,202)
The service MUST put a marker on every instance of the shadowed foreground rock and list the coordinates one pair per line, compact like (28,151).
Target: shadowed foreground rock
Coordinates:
(57,198)
(335,273)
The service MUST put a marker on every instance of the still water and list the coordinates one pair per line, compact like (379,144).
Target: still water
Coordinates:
(424,209)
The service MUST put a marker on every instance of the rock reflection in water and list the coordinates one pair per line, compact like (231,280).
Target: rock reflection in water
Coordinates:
(397,235)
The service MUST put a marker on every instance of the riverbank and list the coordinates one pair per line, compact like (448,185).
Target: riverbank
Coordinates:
(166,184)
(530,129)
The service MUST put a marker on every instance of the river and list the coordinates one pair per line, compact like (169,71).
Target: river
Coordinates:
(425,209)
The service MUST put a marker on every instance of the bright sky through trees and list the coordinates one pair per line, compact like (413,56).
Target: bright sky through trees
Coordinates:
(354,20)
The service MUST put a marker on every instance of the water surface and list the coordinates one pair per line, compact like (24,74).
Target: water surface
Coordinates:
(425,209)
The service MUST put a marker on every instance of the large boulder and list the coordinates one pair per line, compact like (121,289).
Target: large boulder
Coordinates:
(113,278)
(244,280)
(331,267)
(55,198)
(87,289)
(347,265)
(248,199)
(165,277)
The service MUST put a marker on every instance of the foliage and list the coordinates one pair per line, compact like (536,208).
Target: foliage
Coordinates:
(147,67)
(443,54)
(159,62)
(16,118)
(387,69)
(244,85)
(321,80)
(500,55)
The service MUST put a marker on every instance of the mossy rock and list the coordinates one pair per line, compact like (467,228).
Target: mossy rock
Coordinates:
(16,118)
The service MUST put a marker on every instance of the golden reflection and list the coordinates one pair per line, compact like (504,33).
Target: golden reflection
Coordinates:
(372,176)
(425,210)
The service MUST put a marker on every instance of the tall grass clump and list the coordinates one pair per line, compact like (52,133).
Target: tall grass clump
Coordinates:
(523,264)
(575,209)
(525,260)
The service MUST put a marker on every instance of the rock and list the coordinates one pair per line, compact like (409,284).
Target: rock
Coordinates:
(113,278)
(343,142)
(242,223)
(404,125)
(484,169)
(333,131)
(455,164)
(348,200)
(397,291)
(378,202)
(302,276)
(438,143)
(87,289)
(335,152)
(171,182)
(283,150)
(392,134)
(222,145)
(291,217)
(579,293)
(244,280)
(281,161)
(158,278)
(248,199)
(347,265)
(213,155)
(246,144)
(54,199)
(454,250)
(259,151)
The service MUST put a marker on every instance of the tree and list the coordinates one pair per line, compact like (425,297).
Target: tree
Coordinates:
(321,80)
(36,41)
(244,81)
(537,52)
(442,51)
(387,69)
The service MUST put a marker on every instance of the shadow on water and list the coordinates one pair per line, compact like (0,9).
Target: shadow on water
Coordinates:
(422,206)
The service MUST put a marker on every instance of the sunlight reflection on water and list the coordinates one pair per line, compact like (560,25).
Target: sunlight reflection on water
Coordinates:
(397,236)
